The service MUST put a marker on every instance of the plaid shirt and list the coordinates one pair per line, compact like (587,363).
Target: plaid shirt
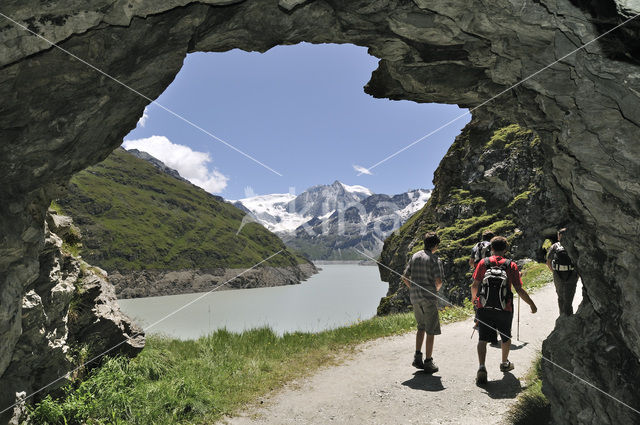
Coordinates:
(422,271)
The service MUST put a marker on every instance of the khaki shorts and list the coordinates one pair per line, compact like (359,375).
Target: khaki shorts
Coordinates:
(426,313)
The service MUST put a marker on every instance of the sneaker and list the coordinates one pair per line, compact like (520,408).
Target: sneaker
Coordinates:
(430,366)
(481,376)
(417,361)
(506,366)
(495,344)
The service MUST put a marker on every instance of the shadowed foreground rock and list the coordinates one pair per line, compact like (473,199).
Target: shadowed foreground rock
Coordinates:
(58,116)
(69,316)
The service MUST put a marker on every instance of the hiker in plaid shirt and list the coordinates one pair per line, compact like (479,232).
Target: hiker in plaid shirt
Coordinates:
(423,277)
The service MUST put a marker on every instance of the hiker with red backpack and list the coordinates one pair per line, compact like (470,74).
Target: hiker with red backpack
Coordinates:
(565,276)
(479,252)
(492,294)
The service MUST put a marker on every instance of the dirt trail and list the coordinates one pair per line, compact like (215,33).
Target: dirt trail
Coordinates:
(378,385)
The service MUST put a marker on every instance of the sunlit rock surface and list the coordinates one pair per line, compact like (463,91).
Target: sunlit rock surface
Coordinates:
(59,115)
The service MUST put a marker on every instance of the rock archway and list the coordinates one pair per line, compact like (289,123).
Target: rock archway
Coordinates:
(60,115)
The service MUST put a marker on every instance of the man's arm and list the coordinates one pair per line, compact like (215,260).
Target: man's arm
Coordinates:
(471,262)
(549,257)
(474,289)
(406,281)
(438,283)
(526,298)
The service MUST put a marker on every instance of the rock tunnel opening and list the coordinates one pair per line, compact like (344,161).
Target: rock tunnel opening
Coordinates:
(60,116)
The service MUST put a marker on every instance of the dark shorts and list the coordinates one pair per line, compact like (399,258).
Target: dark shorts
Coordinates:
(489,320)
(426,312)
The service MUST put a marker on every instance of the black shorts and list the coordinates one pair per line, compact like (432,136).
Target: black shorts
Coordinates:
(489,320)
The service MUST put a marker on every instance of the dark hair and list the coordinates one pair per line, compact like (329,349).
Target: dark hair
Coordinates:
(487,235)
(431,240)
(562,231)
(499,244)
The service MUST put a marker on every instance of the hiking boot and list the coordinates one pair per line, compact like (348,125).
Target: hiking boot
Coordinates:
(481,376)
(506,366)
(417,361)
(430,366)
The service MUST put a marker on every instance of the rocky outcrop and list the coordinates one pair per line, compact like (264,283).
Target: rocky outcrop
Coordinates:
(69,316)
(150,283)
(60,115)
(491,178)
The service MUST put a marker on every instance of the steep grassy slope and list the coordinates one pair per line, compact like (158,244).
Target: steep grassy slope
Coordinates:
(491,178)
(134,217)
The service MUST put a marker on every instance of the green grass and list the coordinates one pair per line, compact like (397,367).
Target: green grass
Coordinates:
(536,275)
(532,407)
(452,314)
(174,381)
(200,381)
(134,217)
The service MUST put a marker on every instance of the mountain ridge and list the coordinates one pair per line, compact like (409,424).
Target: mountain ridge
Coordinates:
(335,221)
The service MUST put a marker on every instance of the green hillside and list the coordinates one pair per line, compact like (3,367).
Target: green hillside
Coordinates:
(133,217)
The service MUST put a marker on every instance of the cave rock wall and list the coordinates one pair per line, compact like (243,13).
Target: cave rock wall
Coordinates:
(58,116)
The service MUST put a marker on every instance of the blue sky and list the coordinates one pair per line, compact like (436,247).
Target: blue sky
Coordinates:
(300,110)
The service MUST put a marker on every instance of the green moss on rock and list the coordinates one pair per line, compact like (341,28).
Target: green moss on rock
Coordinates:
(465,202)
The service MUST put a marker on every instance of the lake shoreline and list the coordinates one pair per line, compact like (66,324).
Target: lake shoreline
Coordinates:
(154,283)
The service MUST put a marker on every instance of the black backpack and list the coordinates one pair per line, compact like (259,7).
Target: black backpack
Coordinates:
(482,250)
(561,259)
(494,288)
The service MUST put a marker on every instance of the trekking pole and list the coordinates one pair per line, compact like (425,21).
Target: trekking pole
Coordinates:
(518,336)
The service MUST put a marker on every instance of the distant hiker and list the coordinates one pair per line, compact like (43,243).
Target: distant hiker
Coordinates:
(491,293)
(565,276)
(423,277)
(479,252)
(482,249)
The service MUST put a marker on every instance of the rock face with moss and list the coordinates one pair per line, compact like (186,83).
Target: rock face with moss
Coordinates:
(491,178)
(69,312)
(156,234)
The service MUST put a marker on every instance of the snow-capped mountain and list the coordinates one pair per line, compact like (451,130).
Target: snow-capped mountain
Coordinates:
(331,221)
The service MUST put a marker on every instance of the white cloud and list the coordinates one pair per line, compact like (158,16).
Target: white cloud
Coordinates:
(361,170)
(191,165)
(143,119)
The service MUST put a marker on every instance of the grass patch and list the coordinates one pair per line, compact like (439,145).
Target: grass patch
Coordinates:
(535,276)
(201,381)
(532,407)
(452,314)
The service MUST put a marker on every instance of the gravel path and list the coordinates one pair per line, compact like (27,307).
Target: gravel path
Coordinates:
(378,385)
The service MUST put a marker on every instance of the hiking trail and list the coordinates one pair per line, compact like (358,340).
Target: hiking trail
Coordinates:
(378,385)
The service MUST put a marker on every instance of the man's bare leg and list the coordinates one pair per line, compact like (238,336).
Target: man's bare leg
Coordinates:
(428,348)
(506,346)
(420,339)
(482,352)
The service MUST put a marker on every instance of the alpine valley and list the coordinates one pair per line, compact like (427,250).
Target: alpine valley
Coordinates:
(335,222)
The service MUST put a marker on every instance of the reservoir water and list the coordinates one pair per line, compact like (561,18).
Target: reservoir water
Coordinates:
(337,296)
